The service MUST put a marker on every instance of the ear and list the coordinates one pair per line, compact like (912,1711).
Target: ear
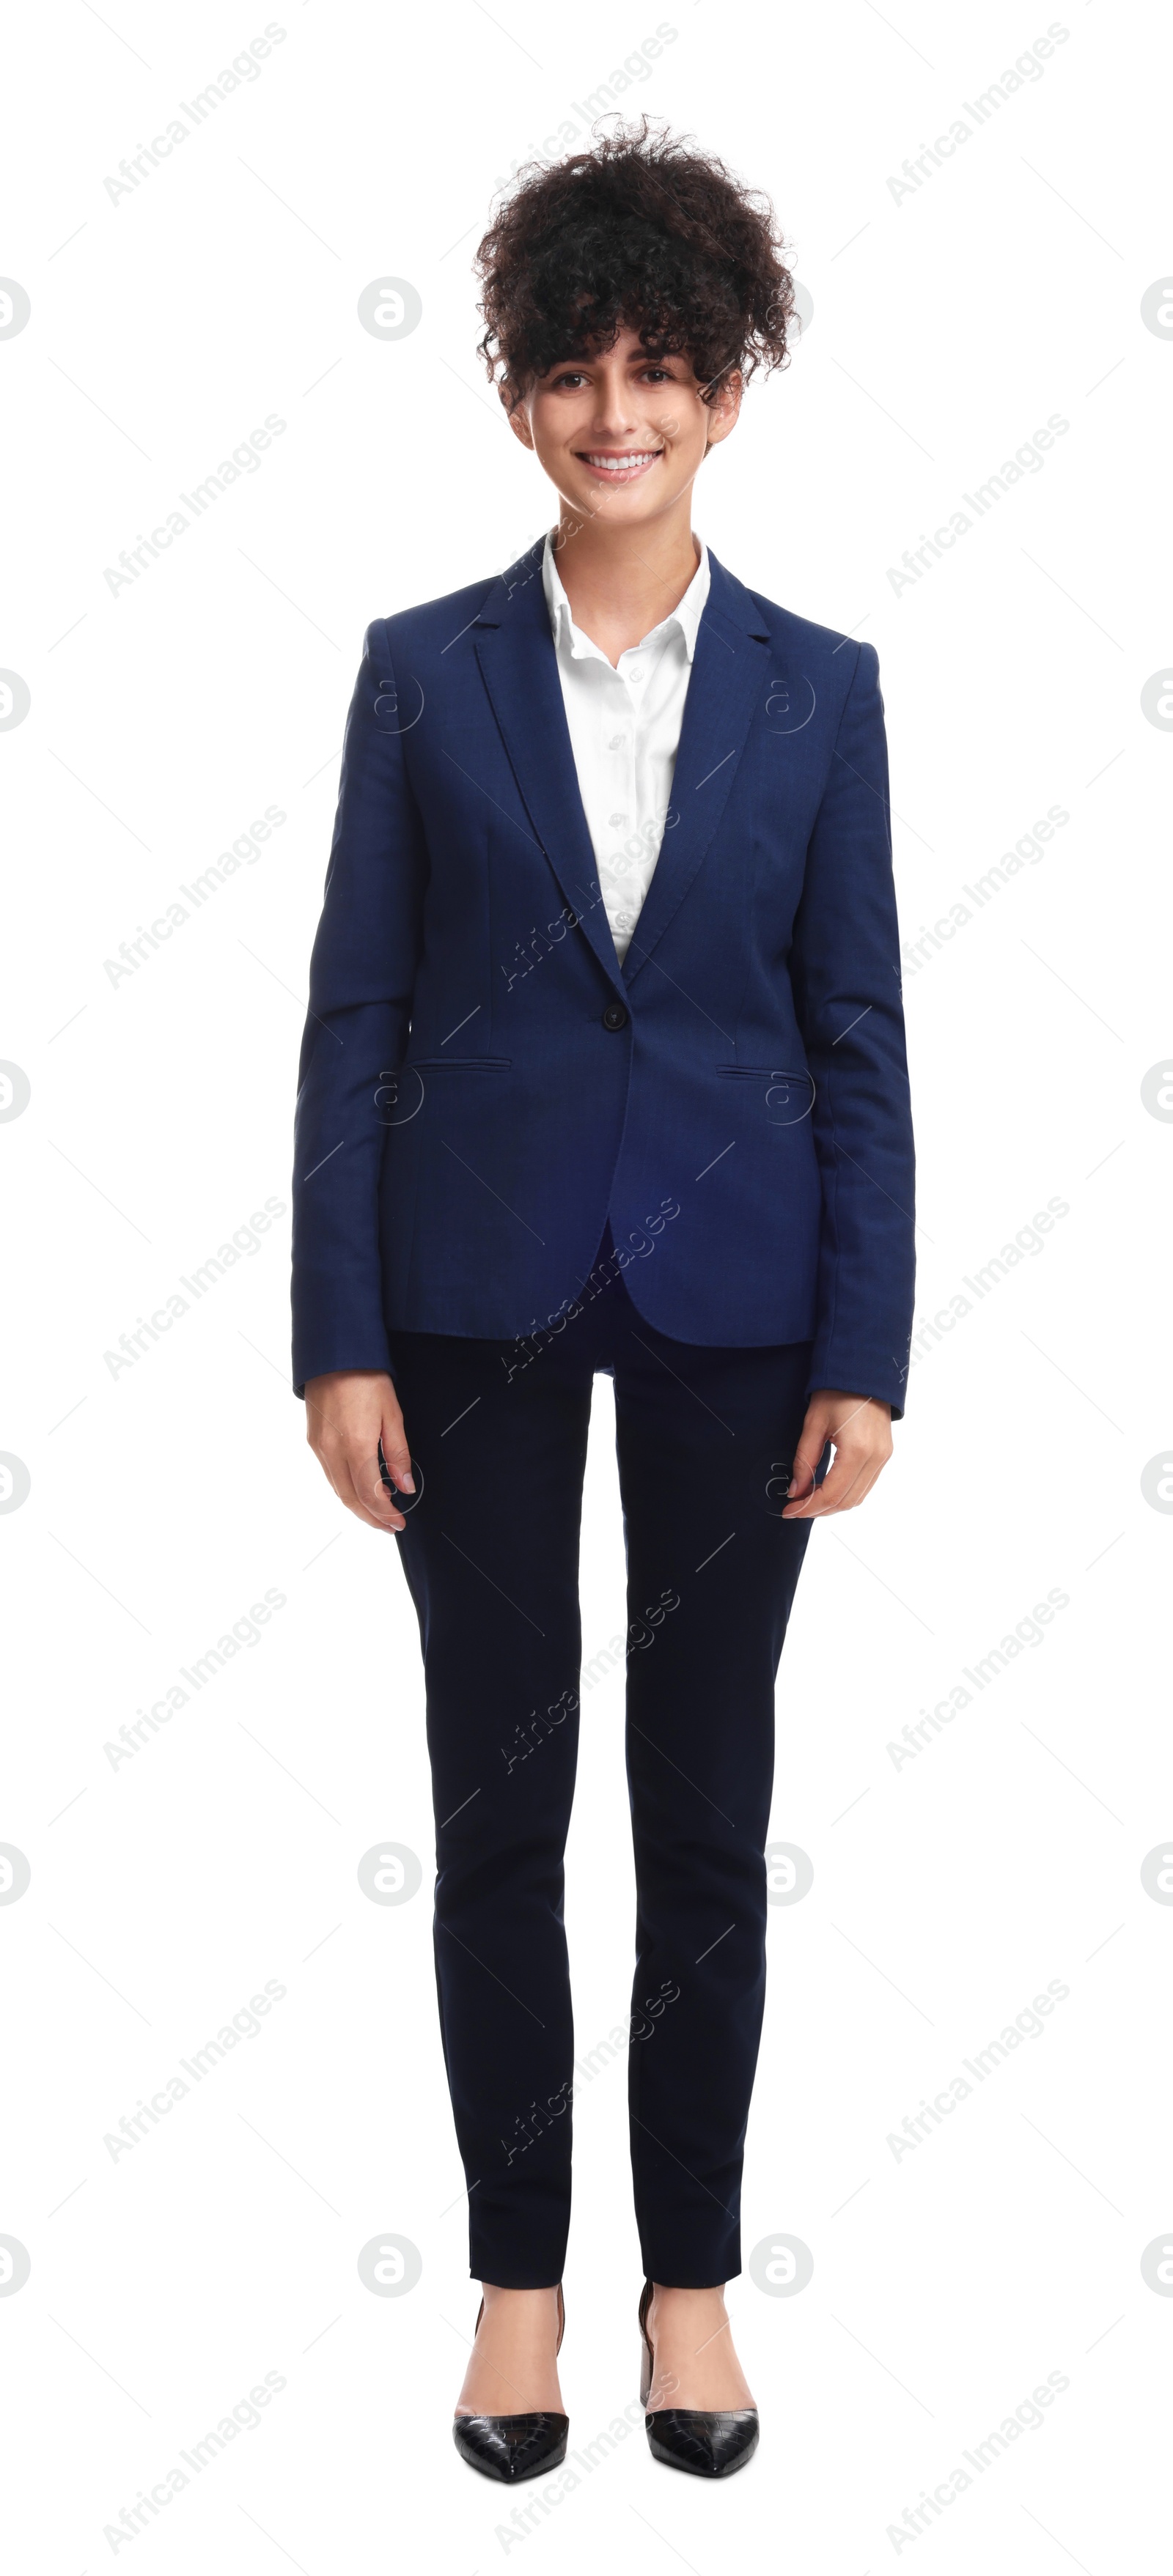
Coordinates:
(725,407)
(518,420)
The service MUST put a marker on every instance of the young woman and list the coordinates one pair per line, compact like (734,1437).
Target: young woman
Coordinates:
(604,1071)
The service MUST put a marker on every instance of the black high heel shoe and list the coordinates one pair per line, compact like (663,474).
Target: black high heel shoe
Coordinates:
(711,2445)
(512,2447)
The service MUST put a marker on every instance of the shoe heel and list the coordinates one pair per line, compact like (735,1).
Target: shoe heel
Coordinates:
(708,2444)
(645,2354)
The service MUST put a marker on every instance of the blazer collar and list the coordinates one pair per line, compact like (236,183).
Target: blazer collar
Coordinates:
(510,591)
(685,617)
(518,662)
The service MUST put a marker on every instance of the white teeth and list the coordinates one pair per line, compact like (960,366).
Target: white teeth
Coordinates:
(623,464)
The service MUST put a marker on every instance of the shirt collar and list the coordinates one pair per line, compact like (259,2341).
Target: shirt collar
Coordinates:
(686,615)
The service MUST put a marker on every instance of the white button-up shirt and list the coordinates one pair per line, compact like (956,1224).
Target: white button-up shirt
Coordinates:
(624,725)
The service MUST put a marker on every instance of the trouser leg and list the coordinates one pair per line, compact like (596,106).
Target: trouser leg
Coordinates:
(491,1556)
(702,1436)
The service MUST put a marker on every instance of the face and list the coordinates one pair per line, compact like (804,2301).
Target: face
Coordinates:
(621,435)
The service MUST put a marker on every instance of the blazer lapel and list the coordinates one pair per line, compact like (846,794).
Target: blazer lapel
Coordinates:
(519,666)
(729,669)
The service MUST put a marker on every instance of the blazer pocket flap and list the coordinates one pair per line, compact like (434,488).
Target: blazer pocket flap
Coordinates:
(768,1073)
(787,1096)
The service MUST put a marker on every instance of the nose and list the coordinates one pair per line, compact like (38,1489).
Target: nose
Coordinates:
(614,421)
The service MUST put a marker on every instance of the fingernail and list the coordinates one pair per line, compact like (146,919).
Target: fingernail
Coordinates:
(406,1481)
(792,1487)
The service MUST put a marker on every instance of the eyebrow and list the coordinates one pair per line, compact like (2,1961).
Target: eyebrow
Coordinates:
(636,357)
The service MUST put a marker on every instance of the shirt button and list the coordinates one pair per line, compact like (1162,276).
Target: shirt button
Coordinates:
(616,819)
(616,742)
(615,1016)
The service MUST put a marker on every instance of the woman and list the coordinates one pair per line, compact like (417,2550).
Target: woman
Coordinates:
(604,1071)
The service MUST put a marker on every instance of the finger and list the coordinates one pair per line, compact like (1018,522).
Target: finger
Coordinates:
(826,1422)
(839,1484)
(802,1481)
(379,1498)
(365,1493)
(396,1450)
(857,1492)
(850,1480)
(831,1494)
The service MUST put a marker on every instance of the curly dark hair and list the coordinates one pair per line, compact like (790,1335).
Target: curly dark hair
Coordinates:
(644,232)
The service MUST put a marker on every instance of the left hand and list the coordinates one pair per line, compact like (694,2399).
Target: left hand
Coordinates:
(860,1429)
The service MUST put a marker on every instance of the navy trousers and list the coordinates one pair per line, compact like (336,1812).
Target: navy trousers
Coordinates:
(705,1439)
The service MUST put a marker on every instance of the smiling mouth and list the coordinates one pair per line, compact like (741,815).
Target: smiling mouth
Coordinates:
(618,466)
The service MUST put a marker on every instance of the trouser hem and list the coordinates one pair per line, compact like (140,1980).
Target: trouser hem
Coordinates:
(517,2270)
(680,2267)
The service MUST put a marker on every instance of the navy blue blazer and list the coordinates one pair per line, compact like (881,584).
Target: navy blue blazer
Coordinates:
(482,1084)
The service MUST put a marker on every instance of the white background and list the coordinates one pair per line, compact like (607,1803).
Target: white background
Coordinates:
(949,324)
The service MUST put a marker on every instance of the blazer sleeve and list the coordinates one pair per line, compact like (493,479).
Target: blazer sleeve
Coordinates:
(845,969)
(362,976)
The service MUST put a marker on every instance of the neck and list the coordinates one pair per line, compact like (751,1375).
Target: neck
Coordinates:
(621,581)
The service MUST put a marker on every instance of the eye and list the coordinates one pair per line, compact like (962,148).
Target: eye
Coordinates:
(570,376)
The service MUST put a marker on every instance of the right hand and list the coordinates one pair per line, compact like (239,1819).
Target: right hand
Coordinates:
(348,1412)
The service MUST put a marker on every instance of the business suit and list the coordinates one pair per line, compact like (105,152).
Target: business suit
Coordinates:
(464,1129)
(519,1162)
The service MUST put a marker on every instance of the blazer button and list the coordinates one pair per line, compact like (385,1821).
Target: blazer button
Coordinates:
(615,1016)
